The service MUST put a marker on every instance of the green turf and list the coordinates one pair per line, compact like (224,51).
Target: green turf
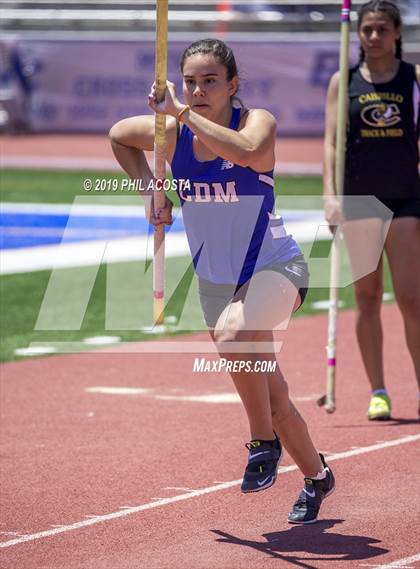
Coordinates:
(47,186)
(127,299)
(55,186)
(121,291)
(22,296)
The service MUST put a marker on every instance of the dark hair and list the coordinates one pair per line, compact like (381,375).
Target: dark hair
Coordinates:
(391,10)
(220,51)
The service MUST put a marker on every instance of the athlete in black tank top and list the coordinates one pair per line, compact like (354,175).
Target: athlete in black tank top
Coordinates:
(382,136)
(381,160)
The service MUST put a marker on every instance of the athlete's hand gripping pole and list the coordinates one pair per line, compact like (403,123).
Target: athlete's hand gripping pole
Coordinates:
(160,160)
(328,400)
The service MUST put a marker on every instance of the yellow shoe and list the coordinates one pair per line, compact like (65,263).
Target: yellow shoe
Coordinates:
(379,408)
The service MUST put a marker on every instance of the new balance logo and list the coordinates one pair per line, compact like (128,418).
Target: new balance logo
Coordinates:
(226,165)
(294,269)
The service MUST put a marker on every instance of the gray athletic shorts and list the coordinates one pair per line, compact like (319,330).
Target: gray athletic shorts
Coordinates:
(215,297)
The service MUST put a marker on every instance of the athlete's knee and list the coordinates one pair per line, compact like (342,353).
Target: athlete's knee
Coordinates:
(115,132)
(225,334)
(234,330)
(281,414)
(243,343)
(368,300)
(281,406)
(280,402)
(118,132)
(409,302)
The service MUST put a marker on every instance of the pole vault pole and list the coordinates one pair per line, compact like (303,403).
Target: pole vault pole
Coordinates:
(328,400)
(160,160)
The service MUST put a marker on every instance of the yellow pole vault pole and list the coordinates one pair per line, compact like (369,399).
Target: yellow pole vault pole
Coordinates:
(328,400)
(160,160)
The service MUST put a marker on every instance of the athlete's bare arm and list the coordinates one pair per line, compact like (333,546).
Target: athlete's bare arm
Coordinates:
(251,145)
(129,139)
(332,210)
(138,134)
(330,135)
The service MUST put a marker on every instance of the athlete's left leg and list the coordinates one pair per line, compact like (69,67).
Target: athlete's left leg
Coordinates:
(402,247)
(291,428)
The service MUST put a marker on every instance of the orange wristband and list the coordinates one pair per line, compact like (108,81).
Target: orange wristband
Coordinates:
(182,111)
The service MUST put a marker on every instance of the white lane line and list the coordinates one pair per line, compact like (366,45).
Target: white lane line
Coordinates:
(388,566)
(178,487)
(85,253)
(212,398)
(325,304)
(119,390)
(220,398)
(302,398)
(35,351)
(102,340)
(193,494)
(163,346)
(209,398)
(397,564)
(402,562)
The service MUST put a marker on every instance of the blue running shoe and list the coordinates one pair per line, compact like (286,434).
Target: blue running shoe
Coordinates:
(261,470)
(305,509)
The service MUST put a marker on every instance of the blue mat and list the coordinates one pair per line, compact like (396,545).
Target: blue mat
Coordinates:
(33,229)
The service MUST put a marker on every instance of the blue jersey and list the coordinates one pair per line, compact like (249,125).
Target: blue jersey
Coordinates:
(228,213)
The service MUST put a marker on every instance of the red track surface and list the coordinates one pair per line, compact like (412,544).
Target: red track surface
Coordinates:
(47,150)
(68,454)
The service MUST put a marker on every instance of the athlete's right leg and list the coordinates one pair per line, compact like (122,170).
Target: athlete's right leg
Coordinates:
(364,241)
(402,248)
(291,427)
(368,292)
(319,480)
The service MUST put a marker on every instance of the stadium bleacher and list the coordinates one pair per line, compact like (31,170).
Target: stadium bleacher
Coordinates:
(185,15)
(74,66)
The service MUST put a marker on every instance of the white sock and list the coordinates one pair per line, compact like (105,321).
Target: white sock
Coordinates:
(321,475)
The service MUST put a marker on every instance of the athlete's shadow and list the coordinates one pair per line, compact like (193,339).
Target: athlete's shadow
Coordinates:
(325,546)
(392,422)
(395,421)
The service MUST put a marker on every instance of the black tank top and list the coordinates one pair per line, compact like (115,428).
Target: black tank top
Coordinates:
(382,155)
